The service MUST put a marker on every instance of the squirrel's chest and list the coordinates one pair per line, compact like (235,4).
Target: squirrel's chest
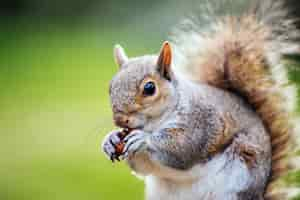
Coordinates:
(217,180)
(159,190)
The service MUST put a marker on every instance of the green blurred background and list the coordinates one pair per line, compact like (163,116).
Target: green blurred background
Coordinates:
(55,66)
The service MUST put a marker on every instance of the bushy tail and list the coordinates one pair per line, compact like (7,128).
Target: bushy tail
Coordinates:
(242,51)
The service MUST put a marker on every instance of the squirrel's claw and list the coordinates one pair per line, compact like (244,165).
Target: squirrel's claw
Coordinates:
(112,158)
(134,143)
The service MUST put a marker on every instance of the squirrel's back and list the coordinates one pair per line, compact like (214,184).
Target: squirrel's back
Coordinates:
(243,52)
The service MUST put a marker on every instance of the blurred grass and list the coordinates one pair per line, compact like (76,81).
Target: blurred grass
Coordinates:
(54,111)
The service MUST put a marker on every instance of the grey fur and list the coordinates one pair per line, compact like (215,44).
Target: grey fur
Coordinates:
(179,137)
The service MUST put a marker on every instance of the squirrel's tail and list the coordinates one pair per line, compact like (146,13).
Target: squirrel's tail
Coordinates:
(242,51)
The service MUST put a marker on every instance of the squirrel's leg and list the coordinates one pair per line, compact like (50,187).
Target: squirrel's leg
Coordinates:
(245,169)
(255,157)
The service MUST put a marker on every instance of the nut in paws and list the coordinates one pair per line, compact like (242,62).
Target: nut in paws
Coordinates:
(112,144)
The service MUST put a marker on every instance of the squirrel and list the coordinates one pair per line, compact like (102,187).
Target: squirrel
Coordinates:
(212,116)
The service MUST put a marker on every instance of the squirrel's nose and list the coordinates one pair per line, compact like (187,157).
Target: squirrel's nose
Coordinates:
(121,120)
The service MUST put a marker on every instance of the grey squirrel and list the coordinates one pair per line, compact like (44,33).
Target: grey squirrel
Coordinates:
(211,117)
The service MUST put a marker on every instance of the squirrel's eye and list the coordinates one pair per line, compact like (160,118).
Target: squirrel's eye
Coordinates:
(149,89)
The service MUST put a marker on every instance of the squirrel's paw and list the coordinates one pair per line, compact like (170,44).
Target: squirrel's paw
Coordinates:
(110,143)
(135,142)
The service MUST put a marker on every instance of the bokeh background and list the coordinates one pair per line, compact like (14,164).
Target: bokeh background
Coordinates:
(55,66)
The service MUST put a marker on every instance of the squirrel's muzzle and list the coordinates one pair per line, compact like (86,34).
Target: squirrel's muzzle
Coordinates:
(121,120)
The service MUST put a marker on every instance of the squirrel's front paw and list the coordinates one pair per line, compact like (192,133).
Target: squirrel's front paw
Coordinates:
(110,145)
(135,142)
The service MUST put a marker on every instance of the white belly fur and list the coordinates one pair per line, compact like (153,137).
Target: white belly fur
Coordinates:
(220,178)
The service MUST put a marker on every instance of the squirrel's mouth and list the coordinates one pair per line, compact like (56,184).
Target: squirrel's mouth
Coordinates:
(128,123)
(129,127)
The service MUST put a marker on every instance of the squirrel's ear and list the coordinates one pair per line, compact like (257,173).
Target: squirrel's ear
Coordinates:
(164,60)
(120,55)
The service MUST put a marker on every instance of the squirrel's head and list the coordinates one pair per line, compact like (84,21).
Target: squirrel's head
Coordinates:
(143,89)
